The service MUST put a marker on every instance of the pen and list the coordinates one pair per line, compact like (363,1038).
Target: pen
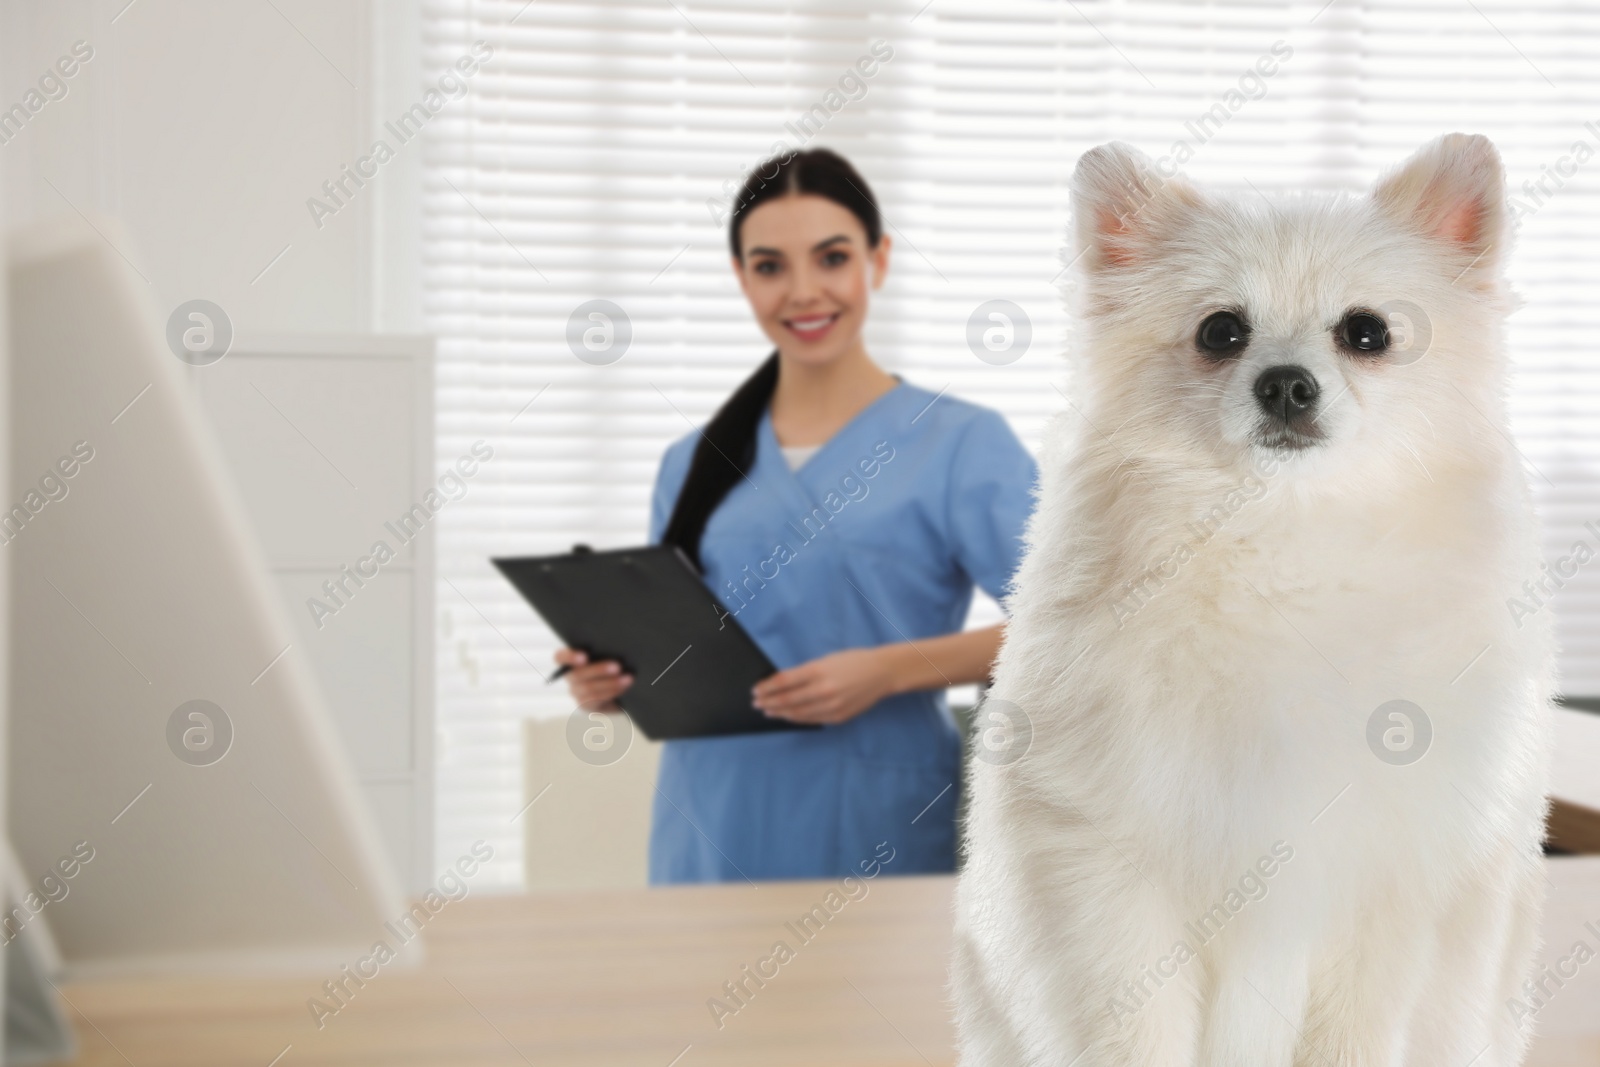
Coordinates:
(559,671)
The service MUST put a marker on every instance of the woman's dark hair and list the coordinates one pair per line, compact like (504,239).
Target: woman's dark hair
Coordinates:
(727,447)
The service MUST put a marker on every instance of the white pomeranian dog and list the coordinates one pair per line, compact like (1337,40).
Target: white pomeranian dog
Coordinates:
(1261,779)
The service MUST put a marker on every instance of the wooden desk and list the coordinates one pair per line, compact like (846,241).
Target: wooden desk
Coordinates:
(622,978)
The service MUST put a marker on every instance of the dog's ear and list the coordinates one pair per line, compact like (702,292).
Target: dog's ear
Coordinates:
(1121,205)
(1453,190)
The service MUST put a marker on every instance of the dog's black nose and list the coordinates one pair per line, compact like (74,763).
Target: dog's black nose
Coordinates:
(1288,393)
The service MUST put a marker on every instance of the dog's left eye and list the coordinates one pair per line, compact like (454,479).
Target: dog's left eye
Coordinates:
(1364,332)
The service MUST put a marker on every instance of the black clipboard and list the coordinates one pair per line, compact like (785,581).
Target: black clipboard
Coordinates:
(692,663)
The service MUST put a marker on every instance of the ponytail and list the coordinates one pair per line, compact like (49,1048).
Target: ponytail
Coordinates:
(725,454)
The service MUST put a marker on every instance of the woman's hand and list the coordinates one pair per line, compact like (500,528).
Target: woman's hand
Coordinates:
(831,689)
(595,686)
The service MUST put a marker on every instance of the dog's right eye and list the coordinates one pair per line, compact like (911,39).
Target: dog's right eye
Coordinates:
(1222,334)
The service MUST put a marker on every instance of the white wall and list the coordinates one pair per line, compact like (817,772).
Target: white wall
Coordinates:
(5,564)
(205,126)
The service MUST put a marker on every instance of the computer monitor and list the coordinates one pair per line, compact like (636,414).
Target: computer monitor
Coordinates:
(168,744)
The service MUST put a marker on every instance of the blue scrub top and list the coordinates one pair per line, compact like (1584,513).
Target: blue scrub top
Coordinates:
(878,538)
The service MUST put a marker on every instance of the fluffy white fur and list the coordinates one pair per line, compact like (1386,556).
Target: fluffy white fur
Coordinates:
(1175,747)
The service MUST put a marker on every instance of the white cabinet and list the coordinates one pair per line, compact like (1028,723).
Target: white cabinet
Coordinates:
(330,441)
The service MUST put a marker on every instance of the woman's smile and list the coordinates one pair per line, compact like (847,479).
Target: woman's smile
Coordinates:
(811,327)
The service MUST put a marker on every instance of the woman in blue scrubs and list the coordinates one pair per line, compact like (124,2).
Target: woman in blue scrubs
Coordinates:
(843,515)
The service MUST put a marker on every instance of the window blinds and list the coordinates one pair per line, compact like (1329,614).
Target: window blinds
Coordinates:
(591,156)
